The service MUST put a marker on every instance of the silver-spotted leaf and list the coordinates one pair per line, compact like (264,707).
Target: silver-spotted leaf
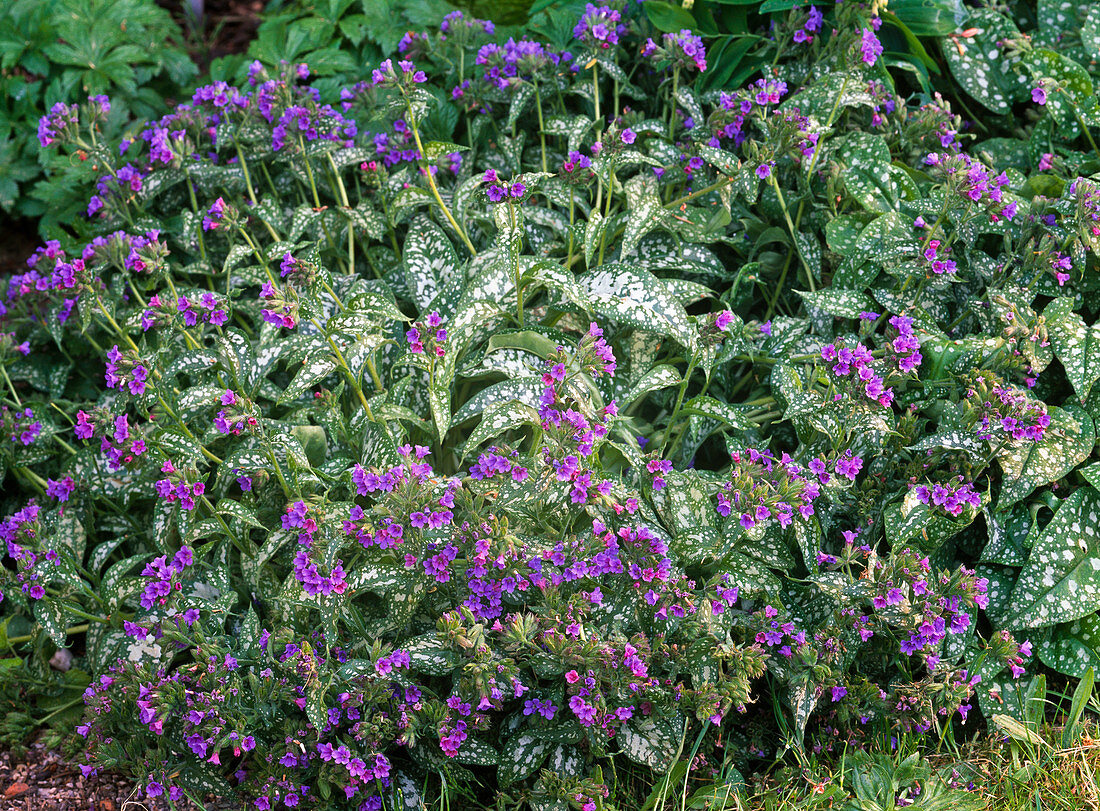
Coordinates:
(1061,580)
(1067,442)
(1076,344)
(980,64)
(631,295)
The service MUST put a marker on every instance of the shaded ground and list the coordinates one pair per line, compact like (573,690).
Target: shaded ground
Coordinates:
(43,780)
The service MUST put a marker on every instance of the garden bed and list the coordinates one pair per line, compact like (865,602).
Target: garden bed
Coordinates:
(624,406)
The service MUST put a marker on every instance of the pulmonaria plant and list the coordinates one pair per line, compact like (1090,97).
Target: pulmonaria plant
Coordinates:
(517,409)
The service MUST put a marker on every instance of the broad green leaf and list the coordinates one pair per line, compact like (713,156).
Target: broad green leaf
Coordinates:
(1073,647)
(980,64)
(651,741)
(429,260)
(868,174)
(526,390)
(842,303)
(522,756)
(1076,344)
(498,418)
(630,295)
(1061,580)
(726,413)
(1067,442)
(311,373)
(659,377)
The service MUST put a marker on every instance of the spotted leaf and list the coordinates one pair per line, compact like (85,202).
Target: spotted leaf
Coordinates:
(429,260)
(1027,465)
(1061,580)
(633,296)
(1073,647)
(981,66)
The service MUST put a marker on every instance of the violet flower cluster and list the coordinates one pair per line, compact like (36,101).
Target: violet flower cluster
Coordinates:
(857,365)
(952,497)
(599,27)
(684,50)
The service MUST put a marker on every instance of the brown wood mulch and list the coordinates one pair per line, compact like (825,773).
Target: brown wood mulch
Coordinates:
(42,780)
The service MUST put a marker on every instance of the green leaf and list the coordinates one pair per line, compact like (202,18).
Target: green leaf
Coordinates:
(51,617)
(311,372)
(667,17)
(1061,580)
(868,175)
(522,756)
(843,303)
(633,296)
(429,260)
(659,377)
(234,509)
(980,65)
(707,406)
(498,418)
(910,522)
(1073,647)
(1073,82)
(930,18)
(1067,442)
(651,742)
(1076,345)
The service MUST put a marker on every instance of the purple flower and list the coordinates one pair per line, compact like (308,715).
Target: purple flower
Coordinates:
(1039,95)
(870,48)
(628,136)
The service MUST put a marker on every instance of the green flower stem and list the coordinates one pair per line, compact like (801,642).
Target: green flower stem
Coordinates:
(435,189)
(671,122)
(542,127)
(346,370)
(18,640)
(1081,121)
(251,191)
(192,343)
(679,400)
(244,550)
(572,216)
(85,615)
(779,286)
(599,125)
(309,173)
(32,478)
(794,232)
(11,386)
(256,252)
(267,177)
(607,208)
(679,201)
(390,223)
(279,473)
(515,271)
(343,194)
(198,216)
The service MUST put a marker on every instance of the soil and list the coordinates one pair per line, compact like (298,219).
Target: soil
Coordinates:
(18,240)
(41,780)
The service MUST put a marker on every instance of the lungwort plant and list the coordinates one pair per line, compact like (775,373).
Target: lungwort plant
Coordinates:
(522,412)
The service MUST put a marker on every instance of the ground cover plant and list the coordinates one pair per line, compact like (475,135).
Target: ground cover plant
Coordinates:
(533,413)
(60,53)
